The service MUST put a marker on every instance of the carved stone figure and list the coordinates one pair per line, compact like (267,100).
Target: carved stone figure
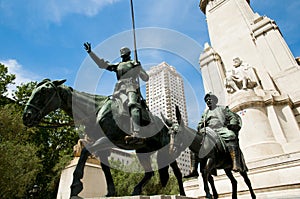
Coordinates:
(241,77)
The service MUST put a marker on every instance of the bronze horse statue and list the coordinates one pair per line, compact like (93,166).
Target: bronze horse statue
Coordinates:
(107,128)
(211,154)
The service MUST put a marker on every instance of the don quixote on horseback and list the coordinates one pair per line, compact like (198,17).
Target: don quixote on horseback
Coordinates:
(121,120)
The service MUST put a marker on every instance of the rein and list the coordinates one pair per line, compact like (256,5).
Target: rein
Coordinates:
(41,110)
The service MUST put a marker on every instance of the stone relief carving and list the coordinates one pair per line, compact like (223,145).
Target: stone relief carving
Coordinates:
(241,77)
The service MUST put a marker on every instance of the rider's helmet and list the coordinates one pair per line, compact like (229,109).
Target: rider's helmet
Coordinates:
(124,51)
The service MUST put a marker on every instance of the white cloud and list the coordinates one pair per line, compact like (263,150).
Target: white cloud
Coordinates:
(22,76)
(33,12)
(55,10)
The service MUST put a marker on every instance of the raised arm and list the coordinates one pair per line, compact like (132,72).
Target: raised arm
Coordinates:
(100,62)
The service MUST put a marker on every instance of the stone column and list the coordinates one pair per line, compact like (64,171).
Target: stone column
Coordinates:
(257,140)
(213,73)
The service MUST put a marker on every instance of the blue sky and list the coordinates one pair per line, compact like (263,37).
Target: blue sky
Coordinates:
(44,39)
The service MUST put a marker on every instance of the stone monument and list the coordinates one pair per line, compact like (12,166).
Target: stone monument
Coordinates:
(263,91)
(93,179)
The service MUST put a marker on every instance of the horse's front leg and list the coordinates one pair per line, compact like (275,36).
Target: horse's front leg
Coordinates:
(76,186)
(102,147)
(103,155)
(144,160)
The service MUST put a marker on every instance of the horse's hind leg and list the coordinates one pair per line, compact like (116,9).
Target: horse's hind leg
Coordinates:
(144,160)
(106,169)
(213,187)
(76,186)
(178,176)
(233,183)
(247,181)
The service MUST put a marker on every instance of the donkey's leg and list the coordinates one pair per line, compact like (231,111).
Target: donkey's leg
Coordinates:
(103,155)
(233,183)
(213,187)
(205,175)
(178,176)
(144,160)
(247,181)
(163,166)
(76,186)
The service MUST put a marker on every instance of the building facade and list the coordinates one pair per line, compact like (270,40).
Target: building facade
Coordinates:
(164,91)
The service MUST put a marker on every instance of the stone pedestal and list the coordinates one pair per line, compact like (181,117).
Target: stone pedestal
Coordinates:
(148,197)
(276,177)
(270,112)
(94,183)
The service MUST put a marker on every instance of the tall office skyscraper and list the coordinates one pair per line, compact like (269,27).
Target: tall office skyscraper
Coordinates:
(165,90)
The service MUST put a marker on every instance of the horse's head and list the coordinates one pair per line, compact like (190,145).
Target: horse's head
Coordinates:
(44,99)
(175,132)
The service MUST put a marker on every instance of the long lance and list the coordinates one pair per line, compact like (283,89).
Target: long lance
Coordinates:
(134,45)
(133,31)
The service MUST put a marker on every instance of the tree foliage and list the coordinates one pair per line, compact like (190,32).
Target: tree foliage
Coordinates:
(125,181)
(30,156)
(5,79)
(19,163)
(36,156)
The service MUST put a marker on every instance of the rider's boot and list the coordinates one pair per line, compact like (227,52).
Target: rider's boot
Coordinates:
(194,166)
(236,159)
(134,138)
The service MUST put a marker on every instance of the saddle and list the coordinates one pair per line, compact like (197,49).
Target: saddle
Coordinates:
(118,107)
(210,140)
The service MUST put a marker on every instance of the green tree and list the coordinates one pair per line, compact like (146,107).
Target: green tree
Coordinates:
(55,145)
(23,92)
(5,80)
(125,181)
(19,163)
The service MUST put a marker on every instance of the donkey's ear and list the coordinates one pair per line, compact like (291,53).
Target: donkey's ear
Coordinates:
(59,82)
(166,121)
(178,114)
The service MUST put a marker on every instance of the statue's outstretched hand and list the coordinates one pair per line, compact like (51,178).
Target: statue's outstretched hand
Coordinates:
(87,47)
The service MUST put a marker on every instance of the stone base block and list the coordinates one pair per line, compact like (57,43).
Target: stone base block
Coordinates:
(277,177)
(148,197)
(94,184)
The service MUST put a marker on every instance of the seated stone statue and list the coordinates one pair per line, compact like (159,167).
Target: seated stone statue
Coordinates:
(241,77)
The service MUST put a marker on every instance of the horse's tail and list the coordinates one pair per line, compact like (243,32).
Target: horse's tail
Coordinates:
(164,175)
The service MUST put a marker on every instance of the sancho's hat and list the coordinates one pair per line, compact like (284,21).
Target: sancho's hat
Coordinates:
(211,96)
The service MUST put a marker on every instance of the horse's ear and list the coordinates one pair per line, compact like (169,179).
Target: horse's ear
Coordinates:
(59,82)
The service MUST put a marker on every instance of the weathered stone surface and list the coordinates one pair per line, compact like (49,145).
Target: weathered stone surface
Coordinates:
(270,134)
(147,197)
